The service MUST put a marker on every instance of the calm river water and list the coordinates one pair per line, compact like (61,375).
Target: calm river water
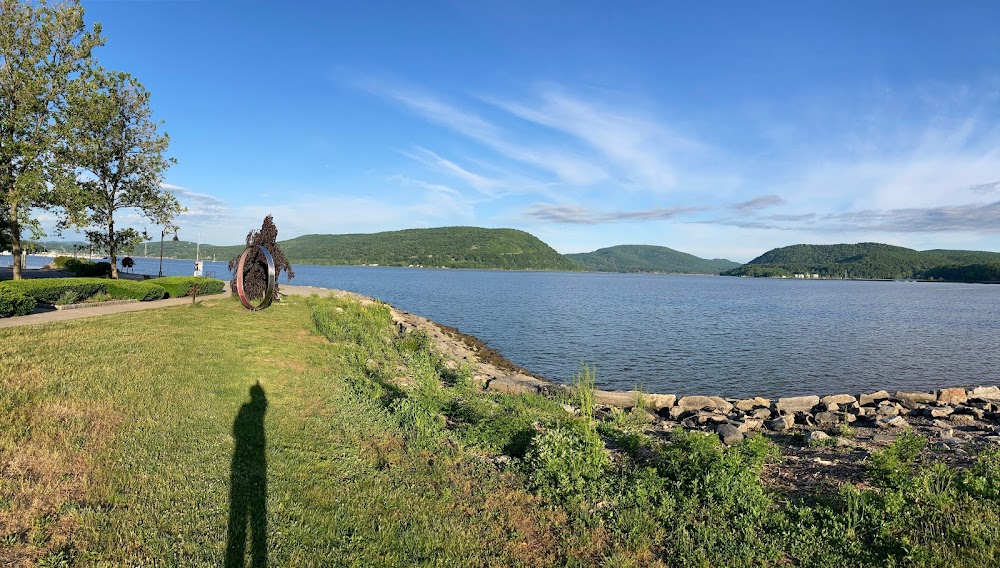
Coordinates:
(699,334)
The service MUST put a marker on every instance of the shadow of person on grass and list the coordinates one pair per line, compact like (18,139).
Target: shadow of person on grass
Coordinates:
(248,484)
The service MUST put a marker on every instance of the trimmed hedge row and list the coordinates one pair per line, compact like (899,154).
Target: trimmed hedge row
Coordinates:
(13,303)
(128,289)
(48,290)
(179,286)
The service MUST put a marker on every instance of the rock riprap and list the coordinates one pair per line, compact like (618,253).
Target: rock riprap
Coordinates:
(953,413)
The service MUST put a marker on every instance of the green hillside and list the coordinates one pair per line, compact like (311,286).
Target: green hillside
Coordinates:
(450,247)
(649,258)
(874,260)
(186,250)
(54,246)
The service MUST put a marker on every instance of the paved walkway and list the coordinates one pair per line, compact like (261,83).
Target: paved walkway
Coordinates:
(99,310)
(48,316)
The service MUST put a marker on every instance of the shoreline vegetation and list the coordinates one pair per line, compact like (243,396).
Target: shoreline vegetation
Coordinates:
(390,440)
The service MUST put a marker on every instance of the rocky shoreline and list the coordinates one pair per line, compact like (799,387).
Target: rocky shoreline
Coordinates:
(831,431)
(949,417)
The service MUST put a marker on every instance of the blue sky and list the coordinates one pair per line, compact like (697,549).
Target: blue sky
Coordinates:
(723,129)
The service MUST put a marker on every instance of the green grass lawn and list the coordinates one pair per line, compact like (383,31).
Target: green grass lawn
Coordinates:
(116,436)
(311,434)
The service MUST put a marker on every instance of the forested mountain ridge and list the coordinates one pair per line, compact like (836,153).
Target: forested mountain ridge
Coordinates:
(874,260)
(648,258)
(449,247)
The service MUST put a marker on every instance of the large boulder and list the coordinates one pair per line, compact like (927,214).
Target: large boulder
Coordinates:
(988,393)
(700,402)
(938,411)
(952,396)
(514,385)
(872,399)
(790,405)
(892,422)
(729,434)
(914,399)
(619,399)
(887,408)
(660,401)
(781,423)
(747,425)
(838,399)
(749,404)
(826,419)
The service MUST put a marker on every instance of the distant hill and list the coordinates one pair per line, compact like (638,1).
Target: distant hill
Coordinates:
(648,258)
(186,250)
(54,246)
(874,260)
(450,247)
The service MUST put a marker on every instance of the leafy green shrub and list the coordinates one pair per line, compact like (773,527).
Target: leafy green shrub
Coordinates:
(83,267)
(726,478)
(60,261)
(982,480)
(723,512)
(409,344)
(498,423)
(180,286)
(14,303)
(891,467)
(50,290)
(566,461)
(66,298)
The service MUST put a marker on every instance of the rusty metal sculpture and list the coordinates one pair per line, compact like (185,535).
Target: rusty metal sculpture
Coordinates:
(271,275)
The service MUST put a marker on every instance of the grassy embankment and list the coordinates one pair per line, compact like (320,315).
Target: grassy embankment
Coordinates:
(117,446)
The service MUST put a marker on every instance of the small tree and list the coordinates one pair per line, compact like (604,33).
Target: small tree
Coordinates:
(255,270)
(42,50)
(120,157)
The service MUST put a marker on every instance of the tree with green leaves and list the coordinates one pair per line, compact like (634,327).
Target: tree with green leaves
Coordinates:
(43,49)
(120,158)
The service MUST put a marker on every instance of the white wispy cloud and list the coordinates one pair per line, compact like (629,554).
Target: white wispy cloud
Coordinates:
(640,149)
(981,218)
(588,216)
(202,208)
(986,187)
(483,184)
(426,185)
(762,202)
(567,166)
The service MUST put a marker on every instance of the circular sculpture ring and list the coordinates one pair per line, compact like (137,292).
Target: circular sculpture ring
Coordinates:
(268,293)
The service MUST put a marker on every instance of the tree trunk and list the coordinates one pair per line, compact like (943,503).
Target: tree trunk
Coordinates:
(111,247)
(15,241)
